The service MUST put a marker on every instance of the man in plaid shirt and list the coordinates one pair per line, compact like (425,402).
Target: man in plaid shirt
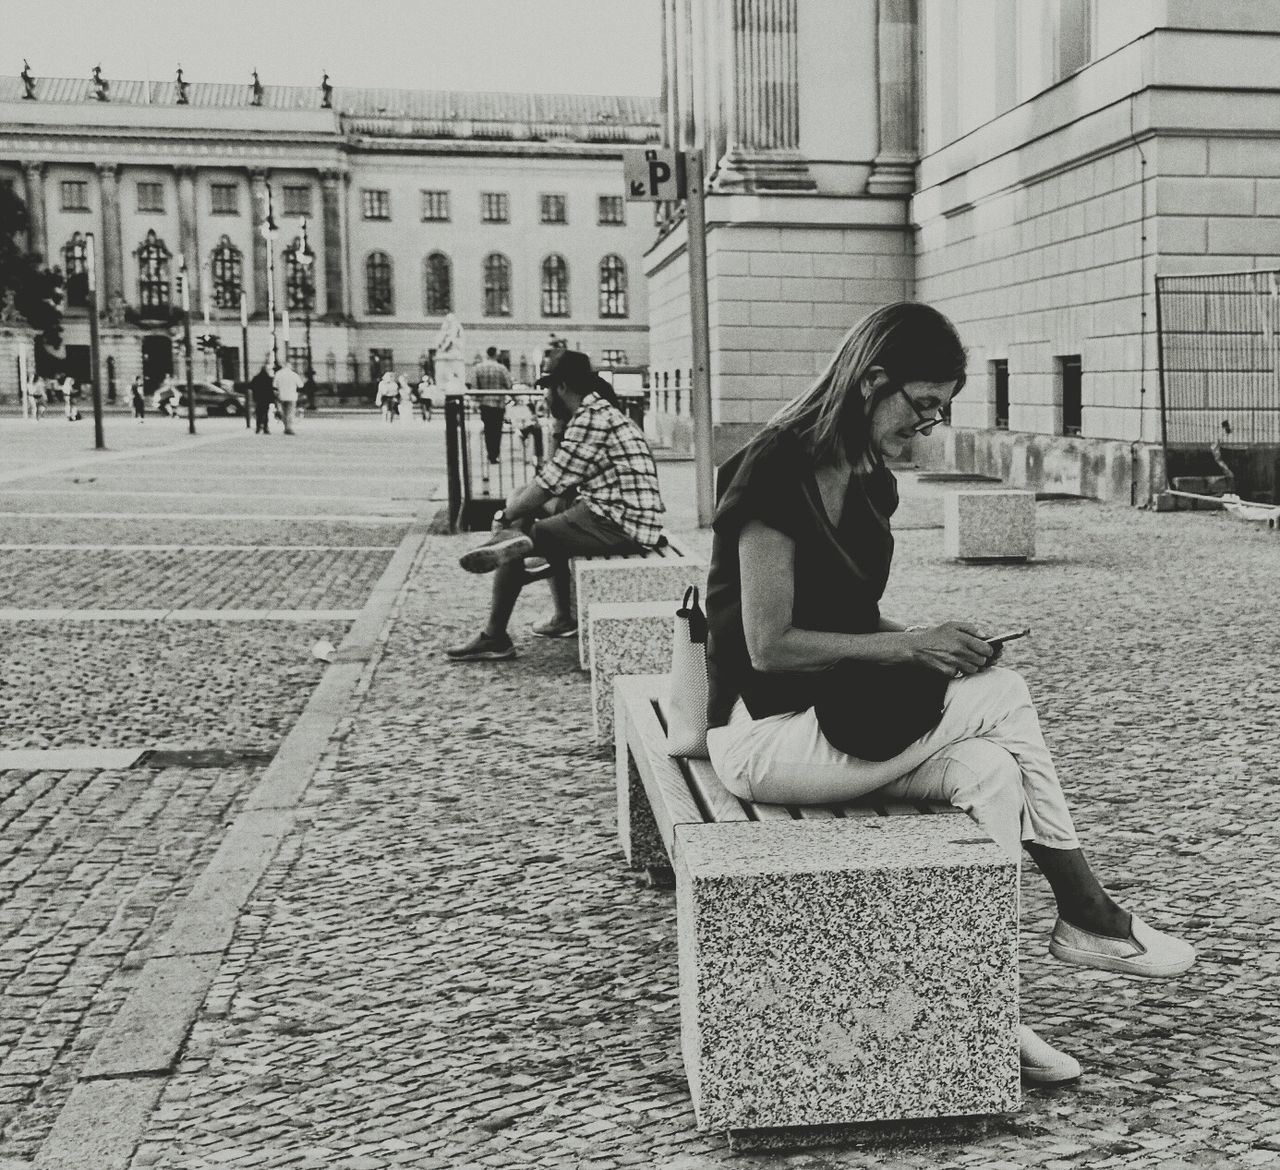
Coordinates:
(596,496)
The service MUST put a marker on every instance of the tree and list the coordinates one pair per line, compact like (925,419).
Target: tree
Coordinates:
(28,290)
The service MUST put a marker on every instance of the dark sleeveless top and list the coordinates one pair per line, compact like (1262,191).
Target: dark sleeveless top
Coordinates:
(840,571)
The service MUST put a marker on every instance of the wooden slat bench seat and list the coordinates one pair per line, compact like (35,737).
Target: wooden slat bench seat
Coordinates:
(659,574)
(841,964)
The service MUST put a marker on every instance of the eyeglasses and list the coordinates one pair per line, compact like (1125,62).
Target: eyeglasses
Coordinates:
(925,421)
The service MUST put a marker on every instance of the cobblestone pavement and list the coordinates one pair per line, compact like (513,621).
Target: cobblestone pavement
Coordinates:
(94,863)
(450,968)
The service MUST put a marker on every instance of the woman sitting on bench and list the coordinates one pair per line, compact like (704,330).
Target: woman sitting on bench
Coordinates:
(815,698)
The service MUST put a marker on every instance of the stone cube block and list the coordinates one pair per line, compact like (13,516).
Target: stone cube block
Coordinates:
(994,525)
(627,637)
(614,579)
(845,971)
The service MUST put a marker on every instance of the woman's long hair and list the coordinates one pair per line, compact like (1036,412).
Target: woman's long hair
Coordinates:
(910,341)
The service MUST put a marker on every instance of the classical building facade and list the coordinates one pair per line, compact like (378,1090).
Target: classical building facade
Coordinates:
(504,209)
(1028,166)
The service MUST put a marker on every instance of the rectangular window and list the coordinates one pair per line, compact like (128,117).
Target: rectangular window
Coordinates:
(614,357)
(375,204)
(225,199)
(611,210)
(297,201)
(150,196)
(75,195)
(1000,382)
(435,206)
(493,207)
(555,209)
(297,355)
(1070,381)
(380,361)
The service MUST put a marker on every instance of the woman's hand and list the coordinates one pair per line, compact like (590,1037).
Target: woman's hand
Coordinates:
(950,648)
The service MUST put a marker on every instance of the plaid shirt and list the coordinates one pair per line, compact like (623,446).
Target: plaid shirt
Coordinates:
(491,375)
(604,455)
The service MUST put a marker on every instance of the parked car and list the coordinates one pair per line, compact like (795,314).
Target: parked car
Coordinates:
(212,397)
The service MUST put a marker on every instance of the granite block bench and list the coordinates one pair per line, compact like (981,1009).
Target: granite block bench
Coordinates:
(989,525)
(839,966)
(659,574)
(626,637)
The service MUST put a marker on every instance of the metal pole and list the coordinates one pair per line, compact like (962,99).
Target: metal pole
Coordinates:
(186,343)
(269,233)
(704,466)
(95,374)
(308,291)
(244,358)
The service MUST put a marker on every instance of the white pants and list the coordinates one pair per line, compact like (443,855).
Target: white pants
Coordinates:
(987,756)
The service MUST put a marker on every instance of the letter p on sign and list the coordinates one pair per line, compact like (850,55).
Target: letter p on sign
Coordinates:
(653,176)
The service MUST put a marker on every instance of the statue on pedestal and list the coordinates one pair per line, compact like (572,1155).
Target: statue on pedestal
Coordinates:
(451,366)
(101,85)
(183,87)
(326,92)
(28,82)
(256,100)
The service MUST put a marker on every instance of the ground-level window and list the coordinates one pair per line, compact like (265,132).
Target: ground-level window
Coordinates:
(1070,379)
(613,357)
(1000,384)
(75,267)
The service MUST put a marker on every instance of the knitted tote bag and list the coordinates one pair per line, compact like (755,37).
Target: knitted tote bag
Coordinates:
(687,698)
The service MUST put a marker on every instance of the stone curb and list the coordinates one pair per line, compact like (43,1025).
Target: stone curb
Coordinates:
(108,1109)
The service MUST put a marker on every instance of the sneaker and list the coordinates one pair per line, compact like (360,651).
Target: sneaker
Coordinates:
(536,569)
(506,544)
(556,627)
(1042,1064)
(482,648)
(1145,952)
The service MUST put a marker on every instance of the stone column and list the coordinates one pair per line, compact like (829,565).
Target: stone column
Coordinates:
(112,251)
(258,210)
(188,237)
(893,172)
(335,274)
(763,100)
(38,232)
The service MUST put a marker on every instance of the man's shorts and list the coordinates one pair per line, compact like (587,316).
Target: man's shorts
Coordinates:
(579,532)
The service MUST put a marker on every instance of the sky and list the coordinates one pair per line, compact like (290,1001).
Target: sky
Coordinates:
(539,46)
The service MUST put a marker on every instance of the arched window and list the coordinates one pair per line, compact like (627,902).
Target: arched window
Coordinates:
(613,287)
(226,264)
(153,275)
(299,284)
(555,287)
(438,285)
(75,268)
(377,284)
(497,285)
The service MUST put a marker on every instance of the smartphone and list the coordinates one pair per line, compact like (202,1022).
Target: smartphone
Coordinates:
(1008,636)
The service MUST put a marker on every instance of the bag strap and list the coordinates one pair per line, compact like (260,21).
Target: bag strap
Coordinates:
(691,611)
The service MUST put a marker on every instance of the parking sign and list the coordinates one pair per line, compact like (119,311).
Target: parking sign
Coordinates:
(653,176)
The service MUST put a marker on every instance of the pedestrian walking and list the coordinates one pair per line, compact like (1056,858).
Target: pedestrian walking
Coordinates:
(38,395)
(288,384)
(263,393)
(814,697)
(386,392)
(68,390)
(491,374)
(138,398)
(426,397)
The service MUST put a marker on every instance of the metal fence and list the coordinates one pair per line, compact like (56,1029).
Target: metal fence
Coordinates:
(495,443)
(1219,347)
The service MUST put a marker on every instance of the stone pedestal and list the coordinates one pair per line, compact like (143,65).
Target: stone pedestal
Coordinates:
(990,526)
(451,374)
(625,638)
(614,579)
(846,971)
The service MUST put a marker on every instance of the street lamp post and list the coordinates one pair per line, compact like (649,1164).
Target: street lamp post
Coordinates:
(186,342)
(244,356)
(95,348)
(269,234)
(306,258)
